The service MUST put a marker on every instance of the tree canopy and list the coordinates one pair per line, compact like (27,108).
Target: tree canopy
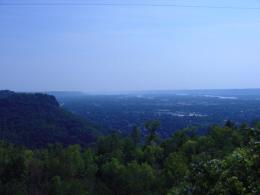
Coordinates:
(225,161)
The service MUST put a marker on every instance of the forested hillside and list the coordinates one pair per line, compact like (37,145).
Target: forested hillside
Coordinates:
(34,120)
(225,161)
(46,150)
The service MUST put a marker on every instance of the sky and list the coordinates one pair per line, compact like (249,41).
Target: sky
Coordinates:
(124,48)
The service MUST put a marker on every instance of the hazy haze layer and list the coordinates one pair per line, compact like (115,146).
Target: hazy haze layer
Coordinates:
(95,48)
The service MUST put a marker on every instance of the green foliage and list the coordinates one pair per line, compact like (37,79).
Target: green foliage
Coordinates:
(138,178)
(176,168)
(136,135)
(226,161)
(152,127)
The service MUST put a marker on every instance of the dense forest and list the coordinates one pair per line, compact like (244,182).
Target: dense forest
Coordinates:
(45,149)
(34,120)
(224,161)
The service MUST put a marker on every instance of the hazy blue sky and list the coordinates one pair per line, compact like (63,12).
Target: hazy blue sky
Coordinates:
(91,48)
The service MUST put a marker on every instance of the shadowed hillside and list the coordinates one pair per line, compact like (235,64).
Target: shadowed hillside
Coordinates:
(37,119)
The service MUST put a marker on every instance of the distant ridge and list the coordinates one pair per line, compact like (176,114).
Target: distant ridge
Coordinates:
(239,92)
(35,119)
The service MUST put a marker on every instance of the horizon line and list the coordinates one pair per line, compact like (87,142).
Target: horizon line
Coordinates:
(126,91)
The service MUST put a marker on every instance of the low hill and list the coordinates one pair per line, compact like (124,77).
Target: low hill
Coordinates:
(35,120)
